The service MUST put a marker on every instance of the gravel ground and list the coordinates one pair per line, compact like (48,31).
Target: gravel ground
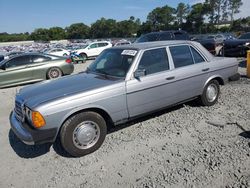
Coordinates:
(184,146)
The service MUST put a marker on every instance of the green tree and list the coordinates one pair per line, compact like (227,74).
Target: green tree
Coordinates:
(145,27)
(128,28)
(57,33)
(77,31)
(103,28)
(182,11)
(40,35)
(161,17)
(195,19)
(234,8)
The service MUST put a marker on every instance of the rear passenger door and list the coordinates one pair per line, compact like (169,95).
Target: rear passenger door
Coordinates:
(38,65)
(190,71)
(153,90)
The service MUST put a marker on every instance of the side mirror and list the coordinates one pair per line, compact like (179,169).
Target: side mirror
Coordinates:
(139,73)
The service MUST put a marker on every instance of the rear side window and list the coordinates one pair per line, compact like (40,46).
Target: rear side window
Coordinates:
(155,60)
(40,58)
(197,57)
(181,56)
(102,44)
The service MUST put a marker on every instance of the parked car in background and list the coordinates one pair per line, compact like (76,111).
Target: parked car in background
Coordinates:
(236,47)
(208,43)
(58,52)
(33,67)
(122,42)
(123,83)
(93,49)
(163,35)
(245,36)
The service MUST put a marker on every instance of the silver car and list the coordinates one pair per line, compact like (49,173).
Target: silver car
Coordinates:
(123,83)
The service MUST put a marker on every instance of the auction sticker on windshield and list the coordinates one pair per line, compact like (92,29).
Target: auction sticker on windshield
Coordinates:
(129,52)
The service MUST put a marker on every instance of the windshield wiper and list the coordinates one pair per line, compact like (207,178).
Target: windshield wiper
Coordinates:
(102,72)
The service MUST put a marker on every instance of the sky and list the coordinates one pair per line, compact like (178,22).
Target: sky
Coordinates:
(26,15)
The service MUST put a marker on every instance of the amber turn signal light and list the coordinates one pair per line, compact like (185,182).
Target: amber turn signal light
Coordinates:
(38,120)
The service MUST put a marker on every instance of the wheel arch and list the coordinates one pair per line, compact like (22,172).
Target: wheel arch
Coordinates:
(215,77)
(99,110)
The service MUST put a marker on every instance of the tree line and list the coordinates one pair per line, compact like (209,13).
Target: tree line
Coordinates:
(198,18)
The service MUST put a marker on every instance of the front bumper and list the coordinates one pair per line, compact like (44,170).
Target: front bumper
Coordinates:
(31,136)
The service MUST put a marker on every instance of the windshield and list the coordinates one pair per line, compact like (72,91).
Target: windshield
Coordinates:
(113,62)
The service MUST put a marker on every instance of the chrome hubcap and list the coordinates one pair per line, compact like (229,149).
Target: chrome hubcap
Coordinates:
(86,134)
(54,73)
(212,92)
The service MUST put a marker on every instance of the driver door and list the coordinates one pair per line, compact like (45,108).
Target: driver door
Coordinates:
(16,70)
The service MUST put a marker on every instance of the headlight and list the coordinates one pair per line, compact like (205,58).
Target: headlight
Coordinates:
(247,43)
(35,118)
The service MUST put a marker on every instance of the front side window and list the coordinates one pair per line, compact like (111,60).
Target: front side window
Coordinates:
(18,61)
(181,56)
(95,45)
(113,62)
(153,61)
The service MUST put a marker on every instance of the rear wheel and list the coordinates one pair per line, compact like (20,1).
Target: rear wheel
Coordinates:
(54,72)
(210,93)
(83,133)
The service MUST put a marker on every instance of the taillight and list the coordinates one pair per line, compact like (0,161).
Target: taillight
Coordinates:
(68,60)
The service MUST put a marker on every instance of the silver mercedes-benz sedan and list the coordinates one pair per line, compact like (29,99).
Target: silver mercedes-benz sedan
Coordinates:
(123,83)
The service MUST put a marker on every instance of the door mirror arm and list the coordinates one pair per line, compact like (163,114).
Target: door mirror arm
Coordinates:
(139,73)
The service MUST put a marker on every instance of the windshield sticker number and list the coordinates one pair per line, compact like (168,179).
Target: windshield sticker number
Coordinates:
(129,52)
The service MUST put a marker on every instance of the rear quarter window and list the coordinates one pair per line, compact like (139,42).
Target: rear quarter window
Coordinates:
(197,56)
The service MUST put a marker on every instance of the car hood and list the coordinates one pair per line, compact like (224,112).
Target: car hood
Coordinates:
(46,91)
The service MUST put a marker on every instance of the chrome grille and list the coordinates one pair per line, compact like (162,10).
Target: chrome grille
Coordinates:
(19,111)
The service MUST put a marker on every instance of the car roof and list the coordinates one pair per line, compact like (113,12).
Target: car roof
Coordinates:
(98,42)
(148,45)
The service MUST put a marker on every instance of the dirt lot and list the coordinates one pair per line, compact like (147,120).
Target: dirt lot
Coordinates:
(184,146)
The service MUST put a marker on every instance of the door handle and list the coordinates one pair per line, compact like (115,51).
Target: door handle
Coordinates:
(170,78)
(206,69)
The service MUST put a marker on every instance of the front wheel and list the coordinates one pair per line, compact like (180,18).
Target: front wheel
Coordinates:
(210,93)
(83,133)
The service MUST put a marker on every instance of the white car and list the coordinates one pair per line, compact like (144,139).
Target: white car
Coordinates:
(93,49)
(58,52)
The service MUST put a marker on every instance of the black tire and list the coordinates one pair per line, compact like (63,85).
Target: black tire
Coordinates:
(207,99)
(73,127)
(84,56)
(54,72)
